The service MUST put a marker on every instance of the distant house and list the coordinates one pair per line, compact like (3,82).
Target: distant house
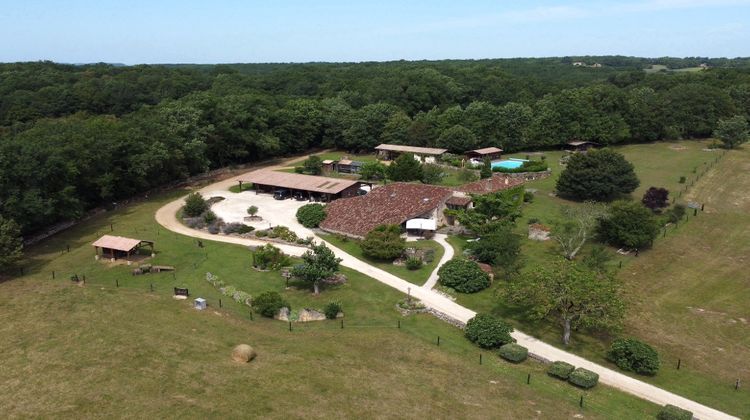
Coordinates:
(493,153)
(426,154)
(346,166)
(578,64)
(581,146)
(596,65)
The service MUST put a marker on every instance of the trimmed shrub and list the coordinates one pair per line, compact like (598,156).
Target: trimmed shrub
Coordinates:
(214,228)
(488,332)
(310,215)
(299,169)
(676,213)
(682,180)
(463,275)
(235,227)
(252,210)
(672,412)
(269,303)
(634,356)
(194,222)
(332,309)
(413,263)
(560,370)
(209,217)
(383,243)
(195,205)
(261,233)
(269,257)
(513,352)
(583,378)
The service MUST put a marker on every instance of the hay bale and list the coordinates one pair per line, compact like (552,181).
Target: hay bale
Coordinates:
(243,353)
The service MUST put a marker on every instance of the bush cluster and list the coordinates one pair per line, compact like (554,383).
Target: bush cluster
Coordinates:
(311,215)
(195,205)
(561,370)
(583,378)
(463,275)
(332,309)
(269,303)
(383,243)
(513,352)
(236,227)
(671,412)
(634,356)
(413,263)
(488,332)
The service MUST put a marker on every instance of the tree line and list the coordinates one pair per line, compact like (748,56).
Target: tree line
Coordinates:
(74,137)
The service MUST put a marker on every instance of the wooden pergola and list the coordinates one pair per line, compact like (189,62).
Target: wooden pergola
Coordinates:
(119,246)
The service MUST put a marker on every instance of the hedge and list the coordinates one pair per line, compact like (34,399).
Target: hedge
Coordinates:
(513,352)
(635,356)
(310,215)
(583,378)
(561,370)
(671,412)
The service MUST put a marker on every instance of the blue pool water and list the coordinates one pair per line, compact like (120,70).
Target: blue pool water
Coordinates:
(508,163)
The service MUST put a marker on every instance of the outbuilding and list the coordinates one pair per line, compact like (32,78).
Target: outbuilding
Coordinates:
(581,146)
(426,154)
(109,246)
(308,186)
(493,153)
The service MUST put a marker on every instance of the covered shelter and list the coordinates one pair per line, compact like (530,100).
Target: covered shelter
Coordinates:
(348,166)
(493,153)
(419,226)
(109,246)
(581,146)
(392,151)
(310,186)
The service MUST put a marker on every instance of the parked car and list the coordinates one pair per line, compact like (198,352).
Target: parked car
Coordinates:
(281,194)
(299,196)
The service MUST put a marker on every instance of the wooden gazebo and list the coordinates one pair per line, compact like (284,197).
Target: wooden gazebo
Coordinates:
(109,246)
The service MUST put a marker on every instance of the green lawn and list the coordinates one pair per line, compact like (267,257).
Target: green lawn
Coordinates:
(418,277)
(108,351)
(246,186)
(339,154)
(688,295)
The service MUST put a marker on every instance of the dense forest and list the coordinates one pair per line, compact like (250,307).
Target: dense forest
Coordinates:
(77,136)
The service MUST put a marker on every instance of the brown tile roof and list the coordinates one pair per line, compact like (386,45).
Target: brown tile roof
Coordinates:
(490,185)
(313,183)
(118,243)
(391,204)
(411,149)
(459,201)
(486,151)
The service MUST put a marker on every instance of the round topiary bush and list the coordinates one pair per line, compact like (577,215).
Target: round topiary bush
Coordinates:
(560,370)
(463,276)
(269,303)
(513,352)
(671,412)
(583,378)
(332,309)
(488,332)
(310,215)
(634,356)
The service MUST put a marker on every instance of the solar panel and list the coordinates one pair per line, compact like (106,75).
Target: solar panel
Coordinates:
(323,184)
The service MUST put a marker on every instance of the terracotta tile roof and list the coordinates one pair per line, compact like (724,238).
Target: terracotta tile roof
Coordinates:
(313,183)
(486,151)
(411,149)
(118,243)
(391,204)
(462,201)
(490,185)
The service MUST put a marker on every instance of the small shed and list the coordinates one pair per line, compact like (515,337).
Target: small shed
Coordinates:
(329,165)
(347,166)
(114,247)
(493,153)
(581,146)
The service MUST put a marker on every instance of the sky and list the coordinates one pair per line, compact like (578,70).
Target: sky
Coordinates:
(234,31)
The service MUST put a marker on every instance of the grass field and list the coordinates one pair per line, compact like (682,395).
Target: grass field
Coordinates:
(688,296)
(418,277)
(108,351)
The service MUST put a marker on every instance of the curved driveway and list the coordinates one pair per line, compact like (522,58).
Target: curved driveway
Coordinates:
(166,216)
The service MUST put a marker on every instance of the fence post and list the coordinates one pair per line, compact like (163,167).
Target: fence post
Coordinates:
(438,341)
(290,325)
(581,402)
(152,285)
(399,324)
(679,362)
(342,323)
(220,303)
(528,379)
(737,384)
(117,283)
(111,227)
(53,274)
(480,358)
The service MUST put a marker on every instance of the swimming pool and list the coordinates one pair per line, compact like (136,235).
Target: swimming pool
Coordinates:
(509,163)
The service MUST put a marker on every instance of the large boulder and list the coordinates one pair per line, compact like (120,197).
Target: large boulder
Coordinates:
(307,315)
